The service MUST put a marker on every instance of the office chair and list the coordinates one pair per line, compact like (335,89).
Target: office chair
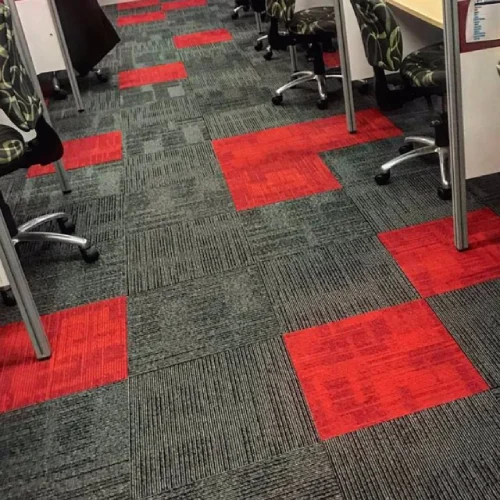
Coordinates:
(259,8)
(422,74)
(314,27)
(239,5)
(59,94)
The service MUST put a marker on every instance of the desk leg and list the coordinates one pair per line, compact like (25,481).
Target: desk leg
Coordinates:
(345,66)
(22,293)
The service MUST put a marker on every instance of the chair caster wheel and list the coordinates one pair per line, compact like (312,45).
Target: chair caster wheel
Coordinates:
(364,88)
(8,298)
(322,104)
(268,56)
(234,16)
(102,78)
(258,46)
(277,99)
(406,148)
(66,226)
(60,95)
(444,193)
(383,178)
(90,254)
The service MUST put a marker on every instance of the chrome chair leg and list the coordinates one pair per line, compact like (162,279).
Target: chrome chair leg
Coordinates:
(44,237)
(321,80)
(43,219)
(417,139)
(415,153)
(444,167)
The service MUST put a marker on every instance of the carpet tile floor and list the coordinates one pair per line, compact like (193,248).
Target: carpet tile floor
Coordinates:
(265,322)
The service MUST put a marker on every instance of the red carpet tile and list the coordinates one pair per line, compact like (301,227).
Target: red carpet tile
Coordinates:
(146,17)
(139,4)
(331,59)
(202,38)
(379,366)
(182,4)
(86,152)
(152,75)
(282,163)
(89,349)
(427,255)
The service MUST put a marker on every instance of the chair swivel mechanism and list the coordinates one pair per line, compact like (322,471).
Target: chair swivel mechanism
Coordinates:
(314,27)
(421,74)
(16,154)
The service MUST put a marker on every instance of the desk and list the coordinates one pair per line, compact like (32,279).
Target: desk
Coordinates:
(430,11)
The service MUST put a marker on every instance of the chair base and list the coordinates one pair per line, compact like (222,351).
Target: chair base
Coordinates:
(414,147)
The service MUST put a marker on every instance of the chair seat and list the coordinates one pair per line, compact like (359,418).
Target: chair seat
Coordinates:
(315,21)
(12,146)
(425,67)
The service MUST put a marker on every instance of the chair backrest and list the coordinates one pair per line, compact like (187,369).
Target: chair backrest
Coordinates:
(380,33)
(17,95)
(282,10)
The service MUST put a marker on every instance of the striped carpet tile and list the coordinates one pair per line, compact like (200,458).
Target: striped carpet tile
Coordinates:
(472,316)
(301,474)
(427,255)
(450,452)
(214,414)
(183,322)
(333,282)
(184,251)
(146,17)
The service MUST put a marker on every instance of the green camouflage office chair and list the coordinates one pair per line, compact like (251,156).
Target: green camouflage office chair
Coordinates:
(315,26)
(423,74)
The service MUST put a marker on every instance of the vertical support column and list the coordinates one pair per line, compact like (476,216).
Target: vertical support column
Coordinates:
(22,293)
(22,45)
(293,58)
(455,122)
(259,22)
(345,65)
(65,53)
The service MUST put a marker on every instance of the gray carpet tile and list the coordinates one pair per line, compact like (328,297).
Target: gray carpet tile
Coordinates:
(186,250)
(137,96)
(160,113)
(171,167)
(214,414)
(487,190)
(449,452)
(171,325)
(329,283)
(226,78)
(304,474)
(57,448)
(208,58)
(59,278)
(403,202)
(472,316)
(174,203)
(251,119)
(168,134)
(293,226)
(87,124)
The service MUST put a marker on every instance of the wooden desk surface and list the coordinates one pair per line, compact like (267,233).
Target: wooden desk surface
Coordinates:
(430,11)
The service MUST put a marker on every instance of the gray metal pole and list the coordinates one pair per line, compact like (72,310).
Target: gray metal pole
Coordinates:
(22,44)
(22,293)
(455,122)
(65,53)
(345,66)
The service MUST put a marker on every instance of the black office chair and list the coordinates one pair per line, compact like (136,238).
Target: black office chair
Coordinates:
(259,9)
(422,74)
(240,5)
(314,27)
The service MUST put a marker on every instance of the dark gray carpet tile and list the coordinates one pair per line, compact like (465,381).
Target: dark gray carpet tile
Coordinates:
(330,283)
(449,452)
(242,121)
(53,449)
(59,278)
(168,134)
(487,190)
(86,124)
(304,474)
(362,162)
(215,414)
(159,113)
(293,226)
(172,90)
(211,57)
(209,99)
(414,118)
(86,183)
(407,200)
(145,32)
(174,203)
(93,102)
(184,251)
(149,59)
(137,96)
(225,78)
(472,316)
(171,167)
(199,18)
(184,322)
(12,187)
